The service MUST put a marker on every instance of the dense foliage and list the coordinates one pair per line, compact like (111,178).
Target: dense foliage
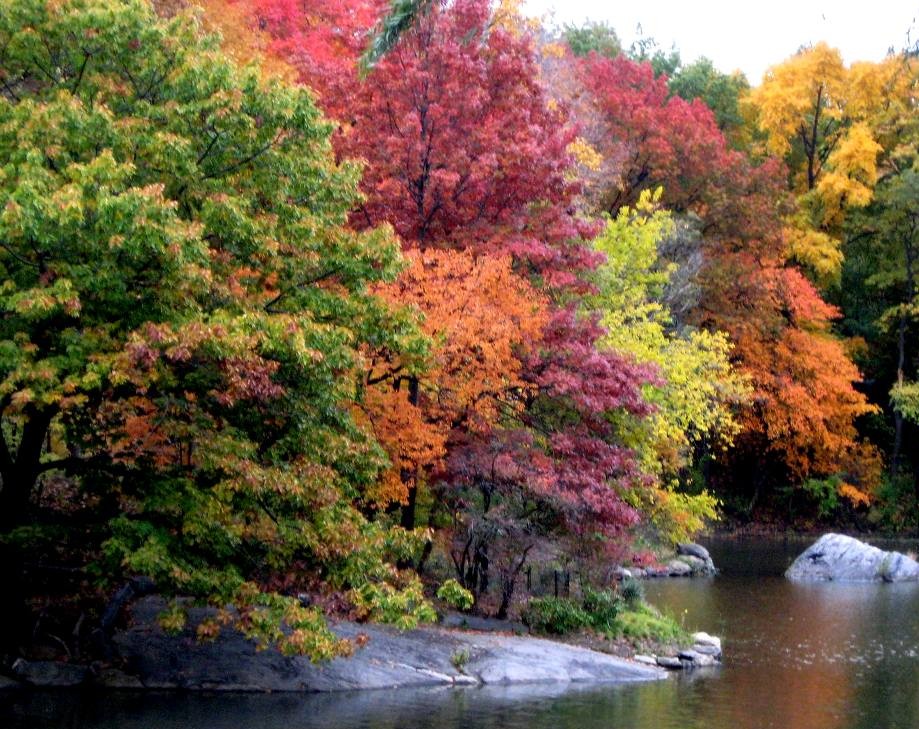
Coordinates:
(357,306)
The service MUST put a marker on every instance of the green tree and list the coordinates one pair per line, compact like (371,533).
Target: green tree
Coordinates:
(592,37)
(183,312)
(721,92)
(695,402)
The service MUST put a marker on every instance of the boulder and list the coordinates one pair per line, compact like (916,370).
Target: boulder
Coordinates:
(485,625)
(701,638)
(647,660)
(694,551)
(669,662)
(115,678)
(678,568)
(694,659)
(708,650)
(50,674)
(389,658)
(836,557)
(699,566)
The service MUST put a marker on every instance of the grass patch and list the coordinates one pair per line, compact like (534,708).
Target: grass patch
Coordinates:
(644,622)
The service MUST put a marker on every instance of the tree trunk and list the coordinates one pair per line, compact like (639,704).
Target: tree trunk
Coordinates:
(18,479)
(19,475)
(407,518)
(901,356)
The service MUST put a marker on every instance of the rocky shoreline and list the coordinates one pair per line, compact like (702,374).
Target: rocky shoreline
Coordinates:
(462,651)
(387,659)
(690,560)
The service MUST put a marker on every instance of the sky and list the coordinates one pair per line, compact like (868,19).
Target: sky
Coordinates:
(749,36)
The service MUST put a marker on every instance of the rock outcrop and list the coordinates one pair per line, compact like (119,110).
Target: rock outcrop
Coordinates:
(840,558)
(705,653)
(697,557)
(691,560)
(388,659)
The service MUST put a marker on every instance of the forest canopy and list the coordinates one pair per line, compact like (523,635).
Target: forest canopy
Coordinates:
(295,329)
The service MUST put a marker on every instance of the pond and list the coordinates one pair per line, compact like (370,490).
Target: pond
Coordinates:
(828,656)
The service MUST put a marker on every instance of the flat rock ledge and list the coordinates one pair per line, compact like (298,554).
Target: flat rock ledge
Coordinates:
(837,557)
(389,659)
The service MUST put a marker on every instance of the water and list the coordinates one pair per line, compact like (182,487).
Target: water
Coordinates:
(797,657)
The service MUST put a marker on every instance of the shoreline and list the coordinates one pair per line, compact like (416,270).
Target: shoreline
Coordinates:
(385,658)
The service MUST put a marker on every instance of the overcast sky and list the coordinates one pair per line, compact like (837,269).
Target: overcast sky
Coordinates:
(750,36)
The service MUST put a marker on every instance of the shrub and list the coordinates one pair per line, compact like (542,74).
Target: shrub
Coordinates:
(632,592)
(555,615)
(453,593)
(603,607)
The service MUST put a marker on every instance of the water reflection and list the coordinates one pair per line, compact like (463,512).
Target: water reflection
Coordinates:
(797,657)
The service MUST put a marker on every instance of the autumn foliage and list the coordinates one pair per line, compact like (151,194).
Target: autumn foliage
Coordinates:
(277,322)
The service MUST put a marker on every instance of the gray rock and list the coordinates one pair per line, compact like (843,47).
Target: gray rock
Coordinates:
(694,659)
(699,566)
(488,625)
(50,673)
(706,639)
(678,568)
(389,659)
(669,662)
(691,552)
(647,660)
(845,559)
(694,550)
(708,650)
(115,678)
(621,573)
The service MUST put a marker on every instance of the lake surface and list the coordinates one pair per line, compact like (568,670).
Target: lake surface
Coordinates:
(827,656)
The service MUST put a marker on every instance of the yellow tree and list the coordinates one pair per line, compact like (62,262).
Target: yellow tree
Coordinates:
(817,114)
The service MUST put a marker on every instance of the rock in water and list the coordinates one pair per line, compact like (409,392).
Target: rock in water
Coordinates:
(697,557)
(845,559)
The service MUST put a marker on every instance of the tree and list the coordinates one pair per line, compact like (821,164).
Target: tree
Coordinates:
(592,37)
(479,316)
(696,402)
(464,152)
(719,91)
(183,312)
(651,139)
(881,266)
(818,114)
(802,420)
(803,413)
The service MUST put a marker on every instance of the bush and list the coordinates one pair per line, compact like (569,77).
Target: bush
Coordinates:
(632,592)
(453,593)
(603,607)
(599,609)
(555,615)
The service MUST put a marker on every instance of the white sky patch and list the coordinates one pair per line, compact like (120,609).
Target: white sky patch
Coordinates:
(749,36)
